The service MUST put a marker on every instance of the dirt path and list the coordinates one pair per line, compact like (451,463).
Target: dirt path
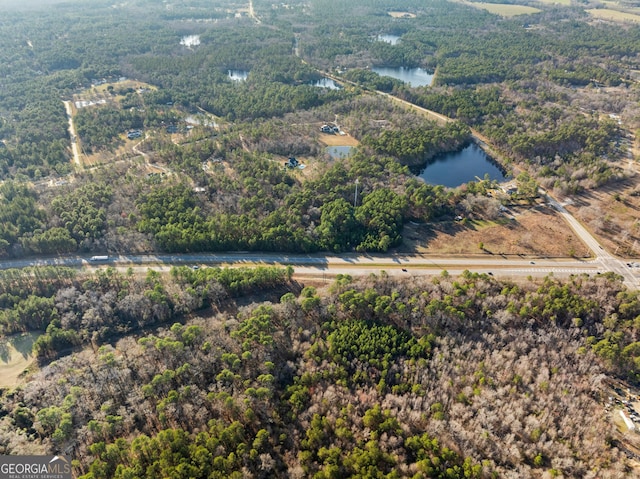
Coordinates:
(147,161)
(74,136)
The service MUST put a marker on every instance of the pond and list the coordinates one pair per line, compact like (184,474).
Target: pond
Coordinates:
(457,168)
(325,82)
(190,40)
(413,76)
(392,39)
(238,75)
(337,152)
(199,119)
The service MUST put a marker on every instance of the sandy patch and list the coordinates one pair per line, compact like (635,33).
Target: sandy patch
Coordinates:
(15,356)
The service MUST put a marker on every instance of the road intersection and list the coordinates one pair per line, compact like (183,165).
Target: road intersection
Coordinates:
(602,256)
(323,265)
(364,264)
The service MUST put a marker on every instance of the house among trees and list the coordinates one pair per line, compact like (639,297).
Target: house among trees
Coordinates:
(291,162)
(329,129)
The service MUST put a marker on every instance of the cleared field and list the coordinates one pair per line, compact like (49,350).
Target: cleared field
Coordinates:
(338,140)
(15,357)
(613,15)
(536,231)
(505,10)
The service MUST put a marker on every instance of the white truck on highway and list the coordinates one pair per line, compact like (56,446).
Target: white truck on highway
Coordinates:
(99,258)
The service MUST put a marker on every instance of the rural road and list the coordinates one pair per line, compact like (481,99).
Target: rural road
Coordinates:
(358,265)
(603,257)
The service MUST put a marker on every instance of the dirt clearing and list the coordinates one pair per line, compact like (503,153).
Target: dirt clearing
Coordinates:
(613,15)
(402,15)
(536,231)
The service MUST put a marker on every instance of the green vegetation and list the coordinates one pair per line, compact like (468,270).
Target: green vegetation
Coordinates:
(116,304)
(527,87)
(369,379)
(418,145)
(244,372)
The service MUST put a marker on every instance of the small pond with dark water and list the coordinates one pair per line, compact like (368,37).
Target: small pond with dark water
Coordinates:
(454,169)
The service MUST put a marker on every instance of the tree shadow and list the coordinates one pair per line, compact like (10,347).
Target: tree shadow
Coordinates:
(5,352)
(418,236)
(23,343)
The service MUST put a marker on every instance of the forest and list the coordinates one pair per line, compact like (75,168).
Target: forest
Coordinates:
(247,373)
(523,105)
(516,86)
(255,372)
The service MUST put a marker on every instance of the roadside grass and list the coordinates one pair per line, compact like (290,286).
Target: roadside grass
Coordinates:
(534,232)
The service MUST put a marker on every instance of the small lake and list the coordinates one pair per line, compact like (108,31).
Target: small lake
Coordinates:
(337,152)
(413,76)
(455,169)
(190,40)
(238,75)
(392,39)
(327,83)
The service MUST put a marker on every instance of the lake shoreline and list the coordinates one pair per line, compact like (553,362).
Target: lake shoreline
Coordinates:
(462,164)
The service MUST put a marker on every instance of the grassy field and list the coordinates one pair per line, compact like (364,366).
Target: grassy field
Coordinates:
(503,9)
(338,140)
(15,357)
(614,15)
